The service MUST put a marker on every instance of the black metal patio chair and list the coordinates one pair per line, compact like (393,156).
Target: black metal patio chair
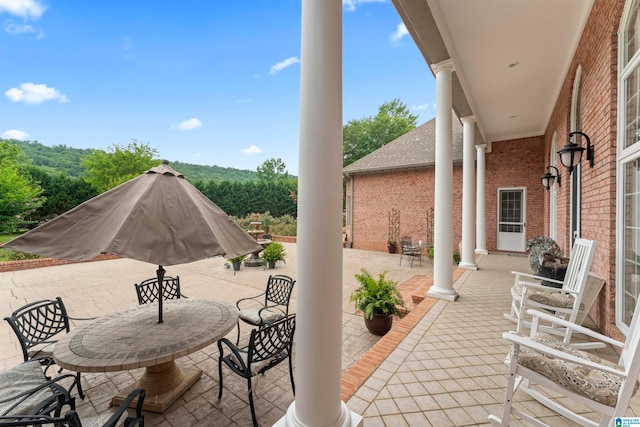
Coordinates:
(25,389)
(71,419)
(408,249)
(268,346)
(37,326)
(147,290)
(268,306)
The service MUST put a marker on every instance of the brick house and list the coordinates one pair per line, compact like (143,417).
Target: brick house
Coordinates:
(400,175)
(521,76)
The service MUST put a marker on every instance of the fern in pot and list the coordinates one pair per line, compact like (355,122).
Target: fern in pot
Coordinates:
(273,253)
(379,300)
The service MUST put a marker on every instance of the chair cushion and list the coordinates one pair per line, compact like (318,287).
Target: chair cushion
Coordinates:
(255,367)
(41,350)
(20,378)
(554,299)
(597,385)
(251,316)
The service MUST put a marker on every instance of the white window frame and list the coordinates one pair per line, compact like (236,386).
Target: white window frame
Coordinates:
(553,194)
(625,155)
(575,179)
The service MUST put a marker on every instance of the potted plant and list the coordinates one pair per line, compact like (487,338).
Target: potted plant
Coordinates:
(394,230)
(379,300)
(236,262)
(272,253)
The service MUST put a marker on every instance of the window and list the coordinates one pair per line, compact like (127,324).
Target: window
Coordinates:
(628,168)
(553,198)
(511,211)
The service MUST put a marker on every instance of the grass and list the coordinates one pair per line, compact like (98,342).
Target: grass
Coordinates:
(9,255)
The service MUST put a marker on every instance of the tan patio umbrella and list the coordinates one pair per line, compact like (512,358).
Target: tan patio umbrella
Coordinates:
(157,217)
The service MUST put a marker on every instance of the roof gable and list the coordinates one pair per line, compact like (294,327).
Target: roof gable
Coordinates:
(414,149)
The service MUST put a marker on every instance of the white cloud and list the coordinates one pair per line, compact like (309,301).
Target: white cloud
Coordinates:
(14,134)
(14,29)
(190,124)
(283,64)
(400,32)
(31,93)
(27,9)
(350,5)
(420,107)
(17,29)
(252,149)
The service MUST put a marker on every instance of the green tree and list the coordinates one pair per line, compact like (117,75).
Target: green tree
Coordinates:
(361,137)
(62,192)
(272,170)
(106,170)
(19,196)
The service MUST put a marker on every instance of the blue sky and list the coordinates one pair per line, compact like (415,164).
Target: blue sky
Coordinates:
(203,82)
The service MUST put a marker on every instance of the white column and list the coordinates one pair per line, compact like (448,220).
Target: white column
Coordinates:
(443,199)
(467,256)
(481,222)
(318,335)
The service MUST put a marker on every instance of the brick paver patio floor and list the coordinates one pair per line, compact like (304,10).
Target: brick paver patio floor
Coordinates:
(441,365)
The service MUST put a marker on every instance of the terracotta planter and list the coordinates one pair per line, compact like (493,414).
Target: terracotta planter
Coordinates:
(380,324)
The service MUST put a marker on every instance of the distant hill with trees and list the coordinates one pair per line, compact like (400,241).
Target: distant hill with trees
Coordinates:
(60,158)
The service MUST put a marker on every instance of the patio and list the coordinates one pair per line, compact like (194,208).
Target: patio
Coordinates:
(441,368)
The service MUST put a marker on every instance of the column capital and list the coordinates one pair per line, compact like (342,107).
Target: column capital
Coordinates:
(481,147)
(468,119)
(442,66)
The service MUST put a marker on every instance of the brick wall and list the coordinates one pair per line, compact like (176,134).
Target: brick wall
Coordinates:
(596,56)
(411,192)
(28,264)
(515,163)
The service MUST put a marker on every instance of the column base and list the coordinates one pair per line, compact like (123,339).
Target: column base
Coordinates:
(468,265)
(482,252)
(347,418)
(439,294)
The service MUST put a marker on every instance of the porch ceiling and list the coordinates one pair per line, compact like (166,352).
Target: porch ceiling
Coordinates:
(485,39)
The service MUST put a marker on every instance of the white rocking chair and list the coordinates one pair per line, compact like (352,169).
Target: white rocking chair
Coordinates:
(601,386)
(565,302)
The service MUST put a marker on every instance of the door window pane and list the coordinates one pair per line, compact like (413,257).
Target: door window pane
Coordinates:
(631,244)
(511,206)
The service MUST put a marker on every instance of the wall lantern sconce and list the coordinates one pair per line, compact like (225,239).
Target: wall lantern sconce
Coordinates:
(571,153)
(548,178)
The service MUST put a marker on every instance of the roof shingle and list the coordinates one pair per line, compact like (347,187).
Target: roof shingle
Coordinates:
(414,149)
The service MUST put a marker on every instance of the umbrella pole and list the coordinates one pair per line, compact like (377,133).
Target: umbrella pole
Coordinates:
(160,272)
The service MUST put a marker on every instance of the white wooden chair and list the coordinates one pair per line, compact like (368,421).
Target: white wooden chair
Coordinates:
(539,365)
(565,301)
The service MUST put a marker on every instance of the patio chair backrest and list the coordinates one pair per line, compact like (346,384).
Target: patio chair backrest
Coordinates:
(36,323)
(147,290)
(579,264)
(630,359)
(271,342)
(279,289)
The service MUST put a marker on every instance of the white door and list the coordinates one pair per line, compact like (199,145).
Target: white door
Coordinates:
(511,215)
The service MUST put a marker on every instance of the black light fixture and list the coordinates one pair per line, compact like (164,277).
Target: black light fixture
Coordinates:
(571,153)
(548,179)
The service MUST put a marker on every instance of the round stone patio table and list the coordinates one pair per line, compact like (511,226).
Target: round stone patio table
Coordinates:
(133,339)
